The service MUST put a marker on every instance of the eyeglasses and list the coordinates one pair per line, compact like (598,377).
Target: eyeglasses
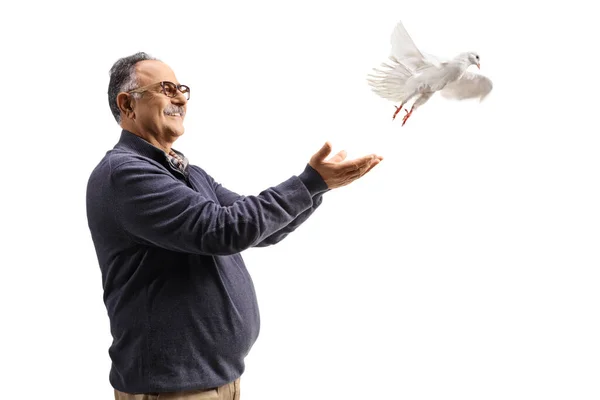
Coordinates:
(169,89)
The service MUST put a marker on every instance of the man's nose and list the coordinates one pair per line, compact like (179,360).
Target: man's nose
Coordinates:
(179,99)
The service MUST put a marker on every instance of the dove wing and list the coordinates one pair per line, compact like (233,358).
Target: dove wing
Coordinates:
(469,86)
(405,50)
(403,45)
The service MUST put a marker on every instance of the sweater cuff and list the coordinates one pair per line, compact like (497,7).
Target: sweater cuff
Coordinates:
(313,181)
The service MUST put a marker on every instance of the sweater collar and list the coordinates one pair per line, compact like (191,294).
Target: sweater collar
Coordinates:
(132,142)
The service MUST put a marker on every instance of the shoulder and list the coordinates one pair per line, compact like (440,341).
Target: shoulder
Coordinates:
(119,159)
(200,172)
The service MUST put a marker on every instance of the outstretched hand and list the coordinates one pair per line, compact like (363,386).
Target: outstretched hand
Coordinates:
(337,171)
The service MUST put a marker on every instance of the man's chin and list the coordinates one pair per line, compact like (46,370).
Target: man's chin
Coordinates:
(178,132)
(176,129)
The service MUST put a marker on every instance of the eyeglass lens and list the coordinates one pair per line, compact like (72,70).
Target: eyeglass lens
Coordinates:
(171,90)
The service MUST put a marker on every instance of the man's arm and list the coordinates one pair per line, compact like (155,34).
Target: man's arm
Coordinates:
(308,177)
(155,208)
(291,227)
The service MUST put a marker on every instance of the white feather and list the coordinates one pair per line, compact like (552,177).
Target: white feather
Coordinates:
(404,48)
(468,86)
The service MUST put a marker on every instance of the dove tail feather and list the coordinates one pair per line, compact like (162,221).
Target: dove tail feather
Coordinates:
(390,80)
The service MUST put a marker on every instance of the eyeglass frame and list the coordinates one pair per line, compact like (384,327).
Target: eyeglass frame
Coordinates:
(164,91)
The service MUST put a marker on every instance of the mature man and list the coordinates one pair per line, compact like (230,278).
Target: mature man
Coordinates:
(182,308)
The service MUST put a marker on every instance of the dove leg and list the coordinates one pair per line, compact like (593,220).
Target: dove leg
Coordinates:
(408,114)
(422,99)
(406,100)
(398,110)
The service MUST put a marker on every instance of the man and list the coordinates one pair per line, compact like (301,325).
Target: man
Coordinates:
(182,308)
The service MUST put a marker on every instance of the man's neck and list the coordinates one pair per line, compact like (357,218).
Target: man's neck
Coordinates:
(153,140)
(164,146)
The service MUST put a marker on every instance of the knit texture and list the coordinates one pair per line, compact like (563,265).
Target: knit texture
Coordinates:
(181,303)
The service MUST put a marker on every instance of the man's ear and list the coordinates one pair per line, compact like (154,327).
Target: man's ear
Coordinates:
(125,102)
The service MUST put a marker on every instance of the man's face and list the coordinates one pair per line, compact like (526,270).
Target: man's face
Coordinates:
(154,111)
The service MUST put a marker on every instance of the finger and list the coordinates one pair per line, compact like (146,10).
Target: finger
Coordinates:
(323,152)
(373,164)
(358,163)
(364,164)
(339,157)
(370,164)
(363,170)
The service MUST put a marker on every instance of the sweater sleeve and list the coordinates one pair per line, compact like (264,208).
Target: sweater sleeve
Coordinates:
(154,208)
(314,184)
(317,186)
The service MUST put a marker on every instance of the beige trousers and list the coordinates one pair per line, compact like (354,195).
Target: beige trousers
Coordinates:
(230,391)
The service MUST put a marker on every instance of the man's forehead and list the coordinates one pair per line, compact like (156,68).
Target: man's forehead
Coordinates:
(150,71)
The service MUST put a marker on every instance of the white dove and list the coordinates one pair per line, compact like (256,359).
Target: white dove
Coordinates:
(410,73)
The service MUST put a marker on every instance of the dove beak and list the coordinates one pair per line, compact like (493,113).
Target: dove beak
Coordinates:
(478,66)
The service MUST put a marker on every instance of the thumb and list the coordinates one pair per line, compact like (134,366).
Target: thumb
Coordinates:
(323,152)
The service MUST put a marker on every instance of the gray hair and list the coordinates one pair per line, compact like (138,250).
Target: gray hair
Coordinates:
(123,79)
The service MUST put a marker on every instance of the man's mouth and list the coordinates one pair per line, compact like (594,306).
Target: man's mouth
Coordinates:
(174,114)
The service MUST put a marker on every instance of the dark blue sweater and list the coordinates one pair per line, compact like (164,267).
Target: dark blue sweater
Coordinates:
(182,307)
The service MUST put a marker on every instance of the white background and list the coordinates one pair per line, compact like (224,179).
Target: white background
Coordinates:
(464,266)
